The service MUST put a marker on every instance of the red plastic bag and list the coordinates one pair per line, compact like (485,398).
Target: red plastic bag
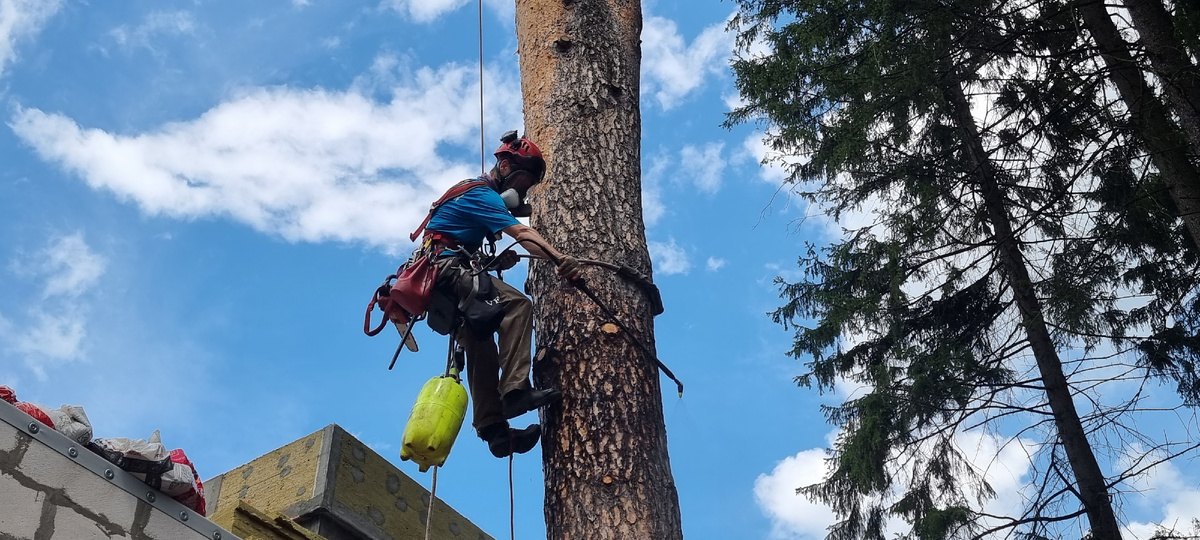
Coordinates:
(36,412)
(193,498)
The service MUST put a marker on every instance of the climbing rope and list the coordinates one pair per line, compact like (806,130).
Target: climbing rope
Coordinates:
(483,151)
(625,272)
(512,499)
(432,497)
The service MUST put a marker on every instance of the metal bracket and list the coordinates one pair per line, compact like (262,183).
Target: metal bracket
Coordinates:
(74,451)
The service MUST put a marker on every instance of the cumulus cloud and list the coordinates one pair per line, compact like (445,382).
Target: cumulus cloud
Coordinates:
(703,165)
(70,266)
(792,515)
(700,166)
(669,258)
(303,164)
(426,11)
(153,25)
(653,208)
(52,332)
(773,164)
(1173,498)
(1002,462)
(673,69)
(715,264)
(20,20)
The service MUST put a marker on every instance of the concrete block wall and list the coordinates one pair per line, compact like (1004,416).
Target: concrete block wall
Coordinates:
(46,494)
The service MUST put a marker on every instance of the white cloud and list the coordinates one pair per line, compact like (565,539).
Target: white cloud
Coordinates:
(733,100)
(424,11)
(703,165)
(1174,499)
(669,258)
(427,11)
(154,24)
(21,19)
(53,331)
(792,515)
(715,264)
(652,205)
(773,164)
(1004,463)
(70,266)
(307,165)
(50,338)
(672,69)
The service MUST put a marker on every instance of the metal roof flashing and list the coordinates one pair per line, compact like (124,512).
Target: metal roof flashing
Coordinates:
(76,453)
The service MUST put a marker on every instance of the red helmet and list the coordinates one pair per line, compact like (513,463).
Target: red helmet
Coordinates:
(521,147)
(522,153)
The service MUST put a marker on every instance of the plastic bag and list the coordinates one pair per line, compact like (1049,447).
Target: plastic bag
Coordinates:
(193,496)
(9,395)
(145,456)
(70,420)
(36,412)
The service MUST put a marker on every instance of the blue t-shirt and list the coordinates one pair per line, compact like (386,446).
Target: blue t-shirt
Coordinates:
(472,217)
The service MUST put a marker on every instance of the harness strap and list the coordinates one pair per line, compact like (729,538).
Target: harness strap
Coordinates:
(464,265)
(455,191)
(380,295)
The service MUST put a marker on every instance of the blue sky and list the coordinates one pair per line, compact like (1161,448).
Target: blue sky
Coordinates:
(198,197)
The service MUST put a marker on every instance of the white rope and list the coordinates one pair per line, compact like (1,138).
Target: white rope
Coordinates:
(432,497)
(482,149)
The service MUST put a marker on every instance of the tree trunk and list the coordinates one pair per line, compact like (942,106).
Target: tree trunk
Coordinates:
(604,451)
(1090,483)
(1167,146)
(1180,78)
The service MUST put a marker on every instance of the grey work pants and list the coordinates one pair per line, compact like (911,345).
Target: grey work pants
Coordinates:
(491,371)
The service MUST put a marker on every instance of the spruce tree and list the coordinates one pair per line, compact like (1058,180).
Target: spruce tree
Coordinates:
(992,170)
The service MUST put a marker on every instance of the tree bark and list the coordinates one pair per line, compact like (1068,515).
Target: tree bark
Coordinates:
(1167,146)
(1180,78)
(1091,485)
(604,449)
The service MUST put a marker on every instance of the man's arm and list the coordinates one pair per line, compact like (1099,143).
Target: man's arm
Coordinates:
(537,245)
(533,241)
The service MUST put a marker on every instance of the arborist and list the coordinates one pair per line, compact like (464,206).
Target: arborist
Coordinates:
(472,212)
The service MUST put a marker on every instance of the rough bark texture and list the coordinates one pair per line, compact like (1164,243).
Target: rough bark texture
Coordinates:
(1091,486)
(1164,141)
(1180,78)
(605,447)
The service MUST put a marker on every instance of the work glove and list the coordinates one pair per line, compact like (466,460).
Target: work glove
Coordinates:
(568,268)
(506,260)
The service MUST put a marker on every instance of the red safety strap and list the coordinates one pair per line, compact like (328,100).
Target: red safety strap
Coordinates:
(457,190)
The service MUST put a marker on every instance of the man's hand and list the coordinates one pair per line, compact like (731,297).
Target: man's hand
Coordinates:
(506,260)
(568,268)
